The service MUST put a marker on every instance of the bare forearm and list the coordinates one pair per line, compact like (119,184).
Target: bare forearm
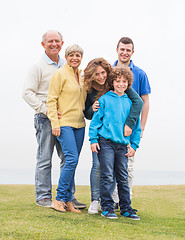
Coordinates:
(144,113)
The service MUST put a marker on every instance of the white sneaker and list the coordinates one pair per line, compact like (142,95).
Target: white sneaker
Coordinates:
(93,208)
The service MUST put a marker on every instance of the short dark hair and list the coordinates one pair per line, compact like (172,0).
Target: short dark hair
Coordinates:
(126,40)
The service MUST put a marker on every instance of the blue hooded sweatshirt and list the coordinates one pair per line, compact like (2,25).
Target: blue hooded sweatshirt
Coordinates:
(110,118)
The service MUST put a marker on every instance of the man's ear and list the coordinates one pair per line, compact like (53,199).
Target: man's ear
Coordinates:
(116,50)
(43,44)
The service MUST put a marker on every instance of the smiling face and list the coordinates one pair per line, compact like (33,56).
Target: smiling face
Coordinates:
(52,44)
(74,59)
(100,75)
(125,52)
(120,85)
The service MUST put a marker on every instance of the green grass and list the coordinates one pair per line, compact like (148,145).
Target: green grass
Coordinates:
(161,208)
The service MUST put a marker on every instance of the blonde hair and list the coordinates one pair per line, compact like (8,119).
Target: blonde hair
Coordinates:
(73,48)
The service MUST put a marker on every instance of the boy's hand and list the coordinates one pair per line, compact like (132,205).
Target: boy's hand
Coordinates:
(95,147)
(56,132)
(127,131)
(131,152)
(95,106)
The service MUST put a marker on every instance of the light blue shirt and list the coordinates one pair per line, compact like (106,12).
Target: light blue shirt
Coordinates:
(49,61)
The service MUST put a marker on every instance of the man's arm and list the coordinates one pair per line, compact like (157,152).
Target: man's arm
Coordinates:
(30,90)
(144,113)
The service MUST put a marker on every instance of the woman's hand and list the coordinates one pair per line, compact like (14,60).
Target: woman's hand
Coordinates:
(131,152)
(59,114)
(127,131)
(95,147)
(95,106)
(56,132)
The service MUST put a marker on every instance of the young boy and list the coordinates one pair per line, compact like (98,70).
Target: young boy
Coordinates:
(107,138)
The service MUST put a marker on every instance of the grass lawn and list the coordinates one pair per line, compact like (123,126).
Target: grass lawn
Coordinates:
(161,208)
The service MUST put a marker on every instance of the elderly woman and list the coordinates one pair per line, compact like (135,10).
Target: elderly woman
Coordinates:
(67,96)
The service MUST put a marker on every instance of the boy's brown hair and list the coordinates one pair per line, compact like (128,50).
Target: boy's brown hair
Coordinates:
(118,72)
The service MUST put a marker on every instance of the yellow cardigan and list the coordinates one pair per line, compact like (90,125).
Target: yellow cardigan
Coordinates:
(69,96)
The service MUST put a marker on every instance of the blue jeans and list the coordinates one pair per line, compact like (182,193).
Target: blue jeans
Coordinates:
(95,178)
(46,142)
(113,161)
(71,140)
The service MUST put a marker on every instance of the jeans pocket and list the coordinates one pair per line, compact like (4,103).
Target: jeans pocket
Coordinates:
(42,115)
(36,121)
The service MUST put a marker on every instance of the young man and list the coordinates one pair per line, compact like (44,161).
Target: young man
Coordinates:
(125,50)
(35,94)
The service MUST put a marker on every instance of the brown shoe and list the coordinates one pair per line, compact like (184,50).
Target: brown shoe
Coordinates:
(59,206)
(71,208)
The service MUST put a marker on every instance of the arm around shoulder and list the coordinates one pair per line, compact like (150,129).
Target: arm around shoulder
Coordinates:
(136,135)
(136,107)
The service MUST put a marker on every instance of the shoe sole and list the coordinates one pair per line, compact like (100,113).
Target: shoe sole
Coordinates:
(72,211)
(80,207)
(43,205)
(92,212)
(109,217)
(135,219)
(67,210)
(58,210)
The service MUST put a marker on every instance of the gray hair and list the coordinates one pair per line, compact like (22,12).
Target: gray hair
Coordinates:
(73,48)
(44,35)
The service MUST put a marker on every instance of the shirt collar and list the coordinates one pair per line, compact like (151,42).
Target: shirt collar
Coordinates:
(50,62)
(115,63)
(131,65)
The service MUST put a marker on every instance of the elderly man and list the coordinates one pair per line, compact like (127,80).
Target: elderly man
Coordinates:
(35,94)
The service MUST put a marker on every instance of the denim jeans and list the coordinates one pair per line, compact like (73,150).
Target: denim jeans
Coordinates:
(46,142)
(71,140)
(113,161)
(131,173)
(130,179)
(95,178)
